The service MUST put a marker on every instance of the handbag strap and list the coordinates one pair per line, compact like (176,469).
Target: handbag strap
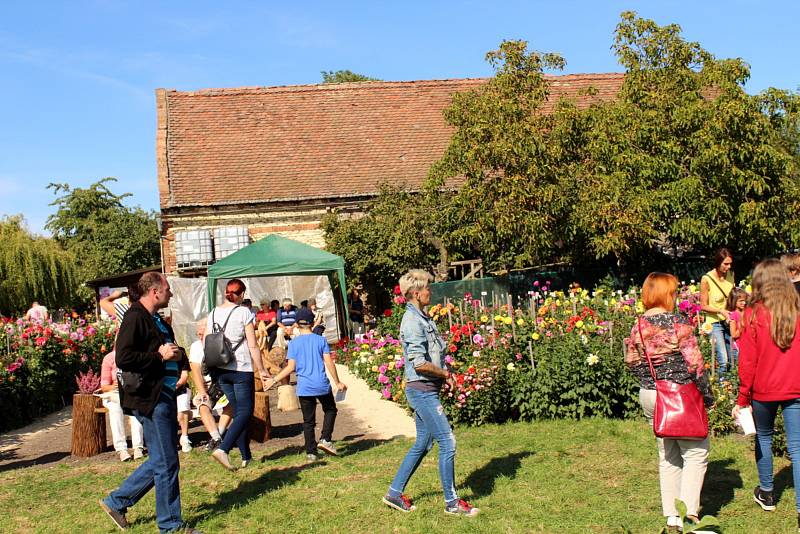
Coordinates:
(718,286)
(644,349)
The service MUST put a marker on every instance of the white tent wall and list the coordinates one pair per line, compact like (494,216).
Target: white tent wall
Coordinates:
(296,287)
(187,306)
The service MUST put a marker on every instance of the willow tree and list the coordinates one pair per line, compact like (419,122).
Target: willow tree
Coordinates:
(32,268)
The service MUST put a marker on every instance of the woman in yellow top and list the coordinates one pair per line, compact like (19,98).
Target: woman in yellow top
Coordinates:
(715,286)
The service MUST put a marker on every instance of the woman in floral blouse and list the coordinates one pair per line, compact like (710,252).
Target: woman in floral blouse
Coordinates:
(669,341)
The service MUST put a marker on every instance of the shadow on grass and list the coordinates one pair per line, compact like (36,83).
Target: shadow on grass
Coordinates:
(720,483)
(41,460)
(346,446)
(286,431)
(481,481)
(782,481)
(250,490)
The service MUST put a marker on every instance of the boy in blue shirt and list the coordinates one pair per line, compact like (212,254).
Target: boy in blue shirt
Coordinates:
(309,356)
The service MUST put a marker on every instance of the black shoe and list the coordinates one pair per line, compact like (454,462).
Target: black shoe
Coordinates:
(213,444)
(764,499)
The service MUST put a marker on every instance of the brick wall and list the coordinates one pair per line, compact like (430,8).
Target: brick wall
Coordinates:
(301,224)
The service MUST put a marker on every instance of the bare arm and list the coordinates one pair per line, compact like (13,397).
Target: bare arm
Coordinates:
(197,378)
(255,354)
(285,372)
(183,379)
(107,303)
(331,367)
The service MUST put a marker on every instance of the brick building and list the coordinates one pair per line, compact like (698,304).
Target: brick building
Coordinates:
(261,160)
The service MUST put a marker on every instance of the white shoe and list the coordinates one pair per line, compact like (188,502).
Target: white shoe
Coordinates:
(124,456)
(186,445)
(328,447)
(138,453)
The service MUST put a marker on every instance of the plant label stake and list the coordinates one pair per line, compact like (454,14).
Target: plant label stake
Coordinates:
(530,353)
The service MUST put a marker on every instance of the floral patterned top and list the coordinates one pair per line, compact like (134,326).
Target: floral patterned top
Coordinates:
(673,349)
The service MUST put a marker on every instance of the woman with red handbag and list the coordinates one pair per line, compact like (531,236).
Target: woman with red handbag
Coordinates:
(662,350)
(769,371)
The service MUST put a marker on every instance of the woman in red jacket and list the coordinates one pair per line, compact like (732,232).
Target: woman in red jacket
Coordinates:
(769,371)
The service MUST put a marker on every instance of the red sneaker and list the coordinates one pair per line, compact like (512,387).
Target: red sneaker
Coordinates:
(462,507)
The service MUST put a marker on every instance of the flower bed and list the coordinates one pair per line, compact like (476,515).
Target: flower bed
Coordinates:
(557,355)
(39,363)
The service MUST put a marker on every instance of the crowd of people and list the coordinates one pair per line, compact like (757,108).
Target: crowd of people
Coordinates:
(758,335)
(145,379)
(755,334)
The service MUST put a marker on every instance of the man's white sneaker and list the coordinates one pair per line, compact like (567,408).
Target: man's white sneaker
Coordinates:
(328,447)
(124,456)
(186,445)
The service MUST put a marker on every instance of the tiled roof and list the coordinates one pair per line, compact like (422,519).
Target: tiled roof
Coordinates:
(261,144)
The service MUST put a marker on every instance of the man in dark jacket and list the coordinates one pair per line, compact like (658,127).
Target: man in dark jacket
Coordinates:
(149,364)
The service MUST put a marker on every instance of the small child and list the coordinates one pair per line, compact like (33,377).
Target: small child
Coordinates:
(309,355)
(737,300)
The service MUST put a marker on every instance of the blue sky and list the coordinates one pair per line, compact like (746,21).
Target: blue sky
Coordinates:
(78,77)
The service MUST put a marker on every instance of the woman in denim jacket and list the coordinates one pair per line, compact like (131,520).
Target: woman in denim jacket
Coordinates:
(425,372)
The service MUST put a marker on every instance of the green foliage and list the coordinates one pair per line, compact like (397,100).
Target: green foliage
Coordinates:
(387,240)
(103,234)
(32,268)
(509,207)
(344,76)
(39,363)
(682,161)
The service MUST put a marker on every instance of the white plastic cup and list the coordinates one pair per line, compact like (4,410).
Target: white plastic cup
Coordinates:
(745,421)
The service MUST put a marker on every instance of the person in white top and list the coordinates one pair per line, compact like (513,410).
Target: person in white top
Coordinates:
(207,393)
(236,378)
(37,313)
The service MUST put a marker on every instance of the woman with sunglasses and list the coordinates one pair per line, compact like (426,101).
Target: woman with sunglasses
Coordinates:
(236,378)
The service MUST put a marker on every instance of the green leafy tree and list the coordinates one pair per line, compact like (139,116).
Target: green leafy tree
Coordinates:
(510,208)
(684,159)
(104,235)
(32,268)
(344,76)
(389,238)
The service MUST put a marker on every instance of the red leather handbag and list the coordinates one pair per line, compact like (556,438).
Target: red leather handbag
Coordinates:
(679,412)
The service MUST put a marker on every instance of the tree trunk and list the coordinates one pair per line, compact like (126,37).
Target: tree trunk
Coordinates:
(88,427)
(260,425)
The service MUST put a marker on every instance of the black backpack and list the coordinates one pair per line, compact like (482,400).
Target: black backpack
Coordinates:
(217,348)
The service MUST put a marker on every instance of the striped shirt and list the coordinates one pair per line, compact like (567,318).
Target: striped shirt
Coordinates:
(171,368)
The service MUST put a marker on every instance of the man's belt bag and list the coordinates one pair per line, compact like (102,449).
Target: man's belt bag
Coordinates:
(679,412)
(217,350)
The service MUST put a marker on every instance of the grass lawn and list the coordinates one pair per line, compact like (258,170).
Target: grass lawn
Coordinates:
(555,476)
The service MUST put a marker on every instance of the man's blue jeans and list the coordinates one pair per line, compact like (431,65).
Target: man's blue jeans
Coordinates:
(159,470)
(432,424)
(240,390)
(722,339)
(764,416)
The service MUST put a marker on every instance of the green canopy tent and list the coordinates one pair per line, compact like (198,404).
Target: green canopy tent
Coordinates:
(275,255)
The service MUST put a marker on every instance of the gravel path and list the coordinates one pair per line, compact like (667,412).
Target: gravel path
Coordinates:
(364,415)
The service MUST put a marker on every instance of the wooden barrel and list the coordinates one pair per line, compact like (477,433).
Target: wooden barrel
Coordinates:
(260,424)
(88,426)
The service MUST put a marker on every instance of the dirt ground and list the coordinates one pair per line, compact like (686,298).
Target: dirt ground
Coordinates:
(363,415)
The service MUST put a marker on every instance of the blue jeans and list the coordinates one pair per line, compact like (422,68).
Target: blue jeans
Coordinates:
(239,389)
(764,416)
(432,424)
(160,469)
(722,339)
